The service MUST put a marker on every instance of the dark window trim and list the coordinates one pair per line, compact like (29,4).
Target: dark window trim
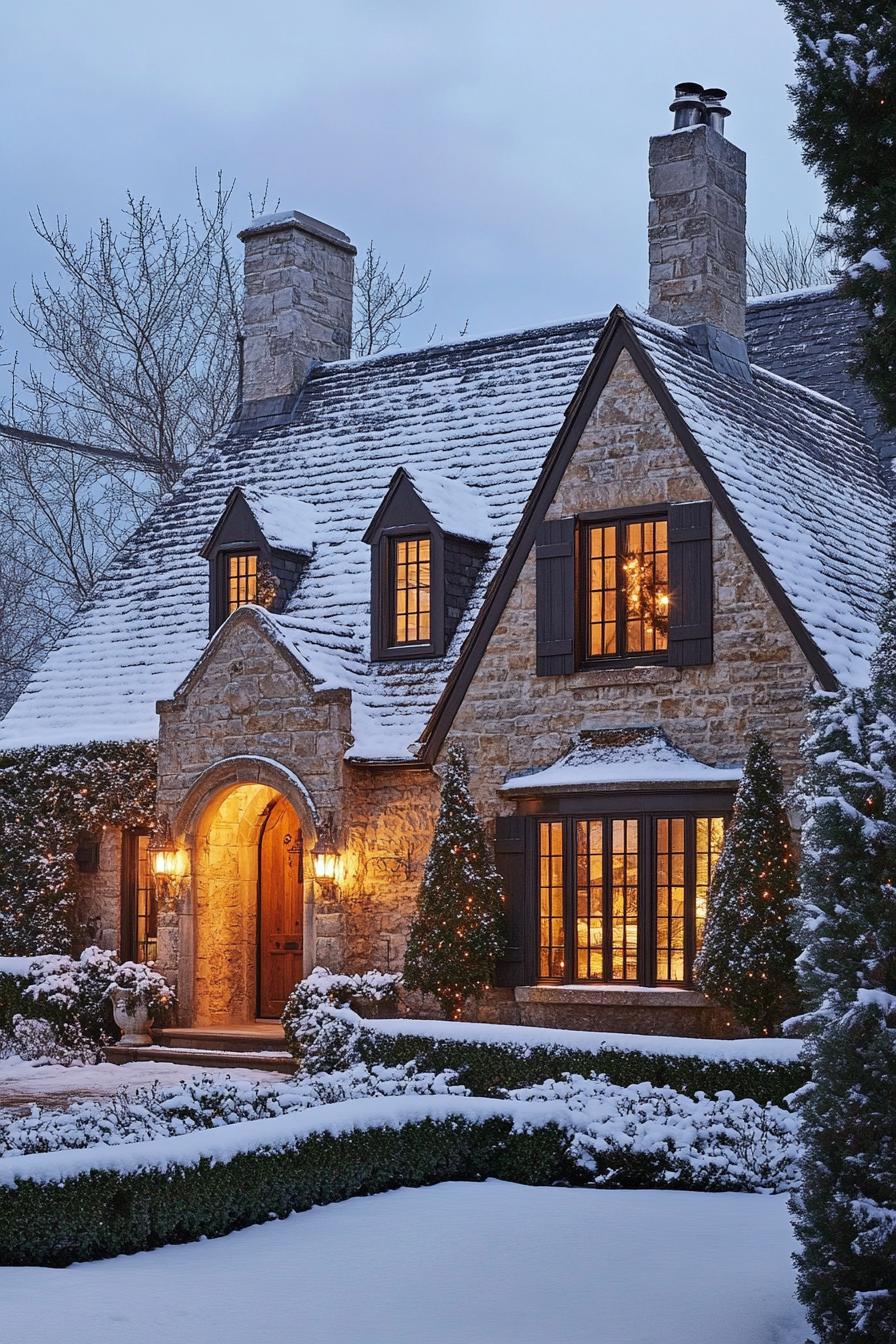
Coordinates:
(128,899)
(382,597)
(219,612)
(646,809)
(584,523)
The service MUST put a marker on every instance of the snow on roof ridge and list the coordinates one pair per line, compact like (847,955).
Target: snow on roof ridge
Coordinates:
(486,338)
(807,292)
(622,755)
(287,522)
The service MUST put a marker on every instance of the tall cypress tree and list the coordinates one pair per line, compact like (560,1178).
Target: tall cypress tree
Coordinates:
(747,961)
(845,1211)
(845,99)
(458,930)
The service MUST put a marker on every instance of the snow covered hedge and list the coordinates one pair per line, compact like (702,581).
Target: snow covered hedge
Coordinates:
(227,1172)
(490,1060)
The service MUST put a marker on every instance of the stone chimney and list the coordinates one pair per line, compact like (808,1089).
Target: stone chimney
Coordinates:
(297,309)
(697,221)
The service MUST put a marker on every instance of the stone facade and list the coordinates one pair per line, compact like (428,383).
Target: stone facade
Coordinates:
(248,725)
(512,721)
(98,911)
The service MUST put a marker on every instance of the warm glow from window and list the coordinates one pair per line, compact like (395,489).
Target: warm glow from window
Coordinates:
(627,575)
(412,591)
(670,892)
(550,900)
(242,580)
(710,839)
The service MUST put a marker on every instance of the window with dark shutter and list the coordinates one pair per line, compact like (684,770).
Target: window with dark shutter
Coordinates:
(510,861)
(555,598)
(690,583)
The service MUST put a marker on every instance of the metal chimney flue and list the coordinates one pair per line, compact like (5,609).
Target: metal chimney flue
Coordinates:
(714,111)
(687,105)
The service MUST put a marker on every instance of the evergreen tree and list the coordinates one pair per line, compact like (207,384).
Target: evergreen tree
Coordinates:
(845,1211)
(747,961)
(845,98)
(458,929)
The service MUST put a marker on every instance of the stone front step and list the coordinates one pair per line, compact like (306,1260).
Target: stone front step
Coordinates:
(267,1060)
(254,1037)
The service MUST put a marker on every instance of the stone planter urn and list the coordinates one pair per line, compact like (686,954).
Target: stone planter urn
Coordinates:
(134,1026)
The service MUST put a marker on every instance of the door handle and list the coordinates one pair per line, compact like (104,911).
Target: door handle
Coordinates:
(291,945)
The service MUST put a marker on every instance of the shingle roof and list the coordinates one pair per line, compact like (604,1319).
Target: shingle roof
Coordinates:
(484,412)
(811,337)
(609,757)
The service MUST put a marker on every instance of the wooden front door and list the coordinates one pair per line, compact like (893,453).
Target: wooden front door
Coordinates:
(279,908)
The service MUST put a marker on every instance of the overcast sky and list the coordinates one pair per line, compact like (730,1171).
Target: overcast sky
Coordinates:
(500,144)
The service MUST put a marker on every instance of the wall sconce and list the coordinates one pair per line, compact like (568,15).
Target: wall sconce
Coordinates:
(325,855)
(168,863)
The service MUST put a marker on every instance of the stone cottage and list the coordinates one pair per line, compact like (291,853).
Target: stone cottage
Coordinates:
(598,553)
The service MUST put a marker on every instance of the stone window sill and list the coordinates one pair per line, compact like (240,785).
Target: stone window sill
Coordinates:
(649,674)
(615,996)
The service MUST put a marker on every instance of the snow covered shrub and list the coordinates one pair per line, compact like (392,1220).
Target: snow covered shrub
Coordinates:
(42,1042)
(49,796)
(458,930)
(748,958)
(644,1135)
(73,992)
(203,1103)
(308,1019)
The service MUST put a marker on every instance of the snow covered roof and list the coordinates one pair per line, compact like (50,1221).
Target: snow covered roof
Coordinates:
(286,522)
(608,757)
(456,508)
(472,423)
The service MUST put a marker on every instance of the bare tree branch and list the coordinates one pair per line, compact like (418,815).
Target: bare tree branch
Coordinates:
(382,302)
(794,260)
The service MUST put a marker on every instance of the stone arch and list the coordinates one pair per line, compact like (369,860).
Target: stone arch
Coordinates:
(219,824)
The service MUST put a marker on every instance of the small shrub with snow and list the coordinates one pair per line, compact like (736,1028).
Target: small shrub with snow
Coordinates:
(141,985)
(645,1135)
(311,1024)
(203,1103)
(41,1042)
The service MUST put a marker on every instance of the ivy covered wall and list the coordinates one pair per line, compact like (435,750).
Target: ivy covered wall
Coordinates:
(49,798)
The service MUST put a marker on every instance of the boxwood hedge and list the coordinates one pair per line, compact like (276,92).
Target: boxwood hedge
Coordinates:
(487,1069)
(104,1213)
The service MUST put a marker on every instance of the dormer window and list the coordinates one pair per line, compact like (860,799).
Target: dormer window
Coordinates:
(257,552)
(241,578)
(411,590)
(428,541)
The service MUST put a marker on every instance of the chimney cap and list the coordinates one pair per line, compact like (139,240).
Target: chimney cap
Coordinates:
(295,219)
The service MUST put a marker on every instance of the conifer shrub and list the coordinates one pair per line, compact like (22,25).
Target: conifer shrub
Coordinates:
(748,958)
(457,932)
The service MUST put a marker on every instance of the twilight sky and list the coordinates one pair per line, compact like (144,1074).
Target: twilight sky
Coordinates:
(500,143)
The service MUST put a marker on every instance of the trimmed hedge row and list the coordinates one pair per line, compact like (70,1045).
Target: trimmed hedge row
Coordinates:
(106,1213)
(488,1069)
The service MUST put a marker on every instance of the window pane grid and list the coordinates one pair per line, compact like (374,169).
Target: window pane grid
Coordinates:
(412,591)
(708,848)
(624,899)
(646,582)
(145,914)
(589,900)
(670,898)
(242,580)
(552,962)
(602,591)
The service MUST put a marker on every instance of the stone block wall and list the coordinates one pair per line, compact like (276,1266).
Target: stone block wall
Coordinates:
(98,910)
(513,721)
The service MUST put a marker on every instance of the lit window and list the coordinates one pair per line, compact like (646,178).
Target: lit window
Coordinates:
(242,579)
(638,882)
(412,589)
(550,899)
(139,916)
(627,588)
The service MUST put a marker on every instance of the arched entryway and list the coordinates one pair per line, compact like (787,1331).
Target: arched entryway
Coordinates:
(246,924)
(280,907)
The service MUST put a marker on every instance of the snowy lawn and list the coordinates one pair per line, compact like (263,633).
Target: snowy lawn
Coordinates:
(453,1264)
(23,1082)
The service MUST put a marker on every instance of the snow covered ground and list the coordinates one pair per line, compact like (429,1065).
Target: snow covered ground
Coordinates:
(454,1264)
